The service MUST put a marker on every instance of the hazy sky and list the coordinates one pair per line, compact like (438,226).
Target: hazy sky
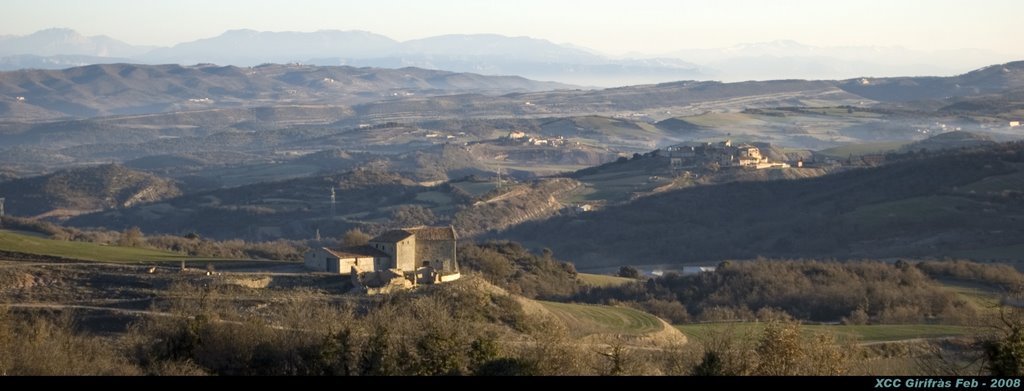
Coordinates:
(648,26)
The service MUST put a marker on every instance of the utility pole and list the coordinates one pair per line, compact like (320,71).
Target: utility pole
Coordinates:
(2,206)
(332,202)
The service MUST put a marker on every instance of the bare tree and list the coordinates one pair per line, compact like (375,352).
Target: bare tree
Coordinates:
(355,237)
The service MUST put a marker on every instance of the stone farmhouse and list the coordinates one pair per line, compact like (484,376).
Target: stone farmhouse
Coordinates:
(725,154)
(419,255)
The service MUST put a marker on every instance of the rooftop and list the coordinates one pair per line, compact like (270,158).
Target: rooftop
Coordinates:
(421,232)
(360,251)
(392,236)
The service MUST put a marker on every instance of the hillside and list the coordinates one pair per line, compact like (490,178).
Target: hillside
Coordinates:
(901,89)
(368,197)
(35,246)
(127,89)
(75,191)
(951,140)
(998,107)
(953,202)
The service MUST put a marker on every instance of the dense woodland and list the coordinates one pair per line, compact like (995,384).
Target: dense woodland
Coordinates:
(854,292)
(511,266)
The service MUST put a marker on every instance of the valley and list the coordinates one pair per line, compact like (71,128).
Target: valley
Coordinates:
(599,231)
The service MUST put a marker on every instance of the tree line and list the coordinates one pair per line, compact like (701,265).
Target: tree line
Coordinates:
(821,291)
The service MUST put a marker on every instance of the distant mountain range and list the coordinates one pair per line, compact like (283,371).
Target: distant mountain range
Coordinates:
(65,42)
(491,54)
(337,92)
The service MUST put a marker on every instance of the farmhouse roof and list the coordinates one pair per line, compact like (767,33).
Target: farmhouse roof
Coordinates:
(392,236)
(353,252)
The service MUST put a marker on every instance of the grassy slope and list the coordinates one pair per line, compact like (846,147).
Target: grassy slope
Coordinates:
(593,319)
(602,280)
(863,334)
(29,244)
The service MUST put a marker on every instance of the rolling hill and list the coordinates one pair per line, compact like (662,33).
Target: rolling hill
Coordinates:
(125,89)
(986,80)
(368,197)
(75,191)
(950,140)
(944,204)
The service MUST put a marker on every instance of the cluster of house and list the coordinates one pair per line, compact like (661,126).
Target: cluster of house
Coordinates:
(398,258)
(520,137)
(725,154)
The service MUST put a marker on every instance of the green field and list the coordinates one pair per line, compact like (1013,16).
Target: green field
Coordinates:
(983,296)
(31,244)
(476,189)
(721,120)
(861,333)
(617,182)
(921,209)
(434,197)
(596,319)
(240,176)
(617,127)
(602,280)
(616,186)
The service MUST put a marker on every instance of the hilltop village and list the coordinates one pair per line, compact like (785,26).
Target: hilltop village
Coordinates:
(724,154)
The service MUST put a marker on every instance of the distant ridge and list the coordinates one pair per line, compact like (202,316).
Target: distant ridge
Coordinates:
(127,89)
(993,78)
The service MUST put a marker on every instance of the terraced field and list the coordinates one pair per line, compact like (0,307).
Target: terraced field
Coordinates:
(594,319)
